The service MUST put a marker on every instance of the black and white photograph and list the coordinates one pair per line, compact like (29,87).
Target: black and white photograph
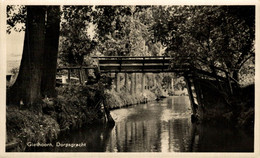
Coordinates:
(129,78)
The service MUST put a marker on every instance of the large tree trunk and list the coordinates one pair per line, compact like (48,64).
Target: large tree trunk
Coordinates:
(51,51)
(28,84)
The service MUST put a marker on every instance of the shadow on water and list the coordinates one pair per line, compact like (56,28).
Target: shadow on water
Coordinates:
(89,139)
(218,138)
(162,126)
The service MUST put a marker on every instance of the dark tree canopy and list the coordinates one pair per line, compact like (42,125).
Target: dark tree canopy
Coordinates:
(217,37)
(16,15)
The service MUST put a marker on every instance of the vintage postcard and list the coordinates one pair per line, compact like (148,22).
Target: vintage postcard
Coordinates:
(119,78)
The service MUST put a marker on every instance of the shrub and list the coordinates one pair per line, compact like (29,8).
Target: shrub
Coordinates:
(78,105)
(75,106)
(25,126)
(118,100)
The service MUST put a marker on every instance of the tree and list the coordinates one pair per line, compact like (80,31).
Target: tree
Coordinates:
(28,84)
(218,38)
(37,74)
(75,41)
(119,30)
(124,30)
(51,51)
(113,29)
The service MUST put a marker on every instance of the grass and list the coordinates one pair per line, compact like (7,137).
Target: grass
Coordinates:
(124,98)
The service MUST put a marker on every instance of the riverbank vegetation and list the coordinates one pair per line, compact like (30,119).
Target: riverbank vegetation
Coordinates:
(74,107)
(24,126)
(123,99)
(236,110)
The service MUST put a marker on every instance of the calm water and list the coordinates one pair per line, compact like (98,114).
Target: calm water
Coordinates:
(162,126)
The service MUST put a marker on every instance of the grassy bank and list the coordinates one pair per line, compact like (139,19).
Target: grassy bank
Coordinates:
(24,126)
(124,98)
(74,107)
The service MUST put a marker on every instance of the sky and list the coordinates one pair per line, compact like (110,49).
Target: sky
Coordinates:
(14,48)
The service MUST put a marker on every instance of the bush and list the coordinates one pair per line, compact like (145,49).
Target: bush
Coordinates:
(117,100)
(75,106)
(25,126)
(78,105)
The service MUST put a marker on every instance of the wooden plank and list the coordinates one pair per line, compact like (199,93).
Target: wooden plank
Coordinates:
(140,67)
(133,61)
(127,57)
(134,67)
(69,75)
(143,57)
(75,68)
(146,71)
(136,64)
(79,75)
(183,65)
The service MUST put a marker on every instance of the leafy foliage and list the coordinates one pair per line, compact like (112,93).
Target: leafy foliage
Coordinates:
(78,105)
(247,73)
(75,40)
(16,18)
(26,126)
(115,26)
(214,36)
(121,99)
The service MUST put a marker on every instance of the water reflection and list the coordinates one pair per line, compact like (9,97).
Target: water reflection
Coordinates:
(162,126)
(153,127)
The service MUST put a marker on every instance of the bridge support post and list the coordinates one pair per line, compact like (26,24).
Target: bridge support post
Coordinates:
(132,83)
(172,84)
(126,82)
(117,77)
(143,82)
(69,75)
(193,105)
(135,83)
(188,85)
(80,78)
(154,81)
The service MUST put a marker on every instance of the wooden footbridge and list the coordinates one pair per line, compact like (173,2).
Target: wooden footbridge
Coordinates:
(148,64)
(145,64)
(139,64)
(131,64)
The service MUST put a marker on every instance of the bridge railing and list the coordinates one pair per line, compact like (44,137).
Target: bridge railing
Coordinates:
(125,64)
(79,71)
(136,64)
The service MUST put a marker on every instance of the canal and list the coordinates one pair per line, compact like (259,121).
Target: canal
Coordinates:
(162,126)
